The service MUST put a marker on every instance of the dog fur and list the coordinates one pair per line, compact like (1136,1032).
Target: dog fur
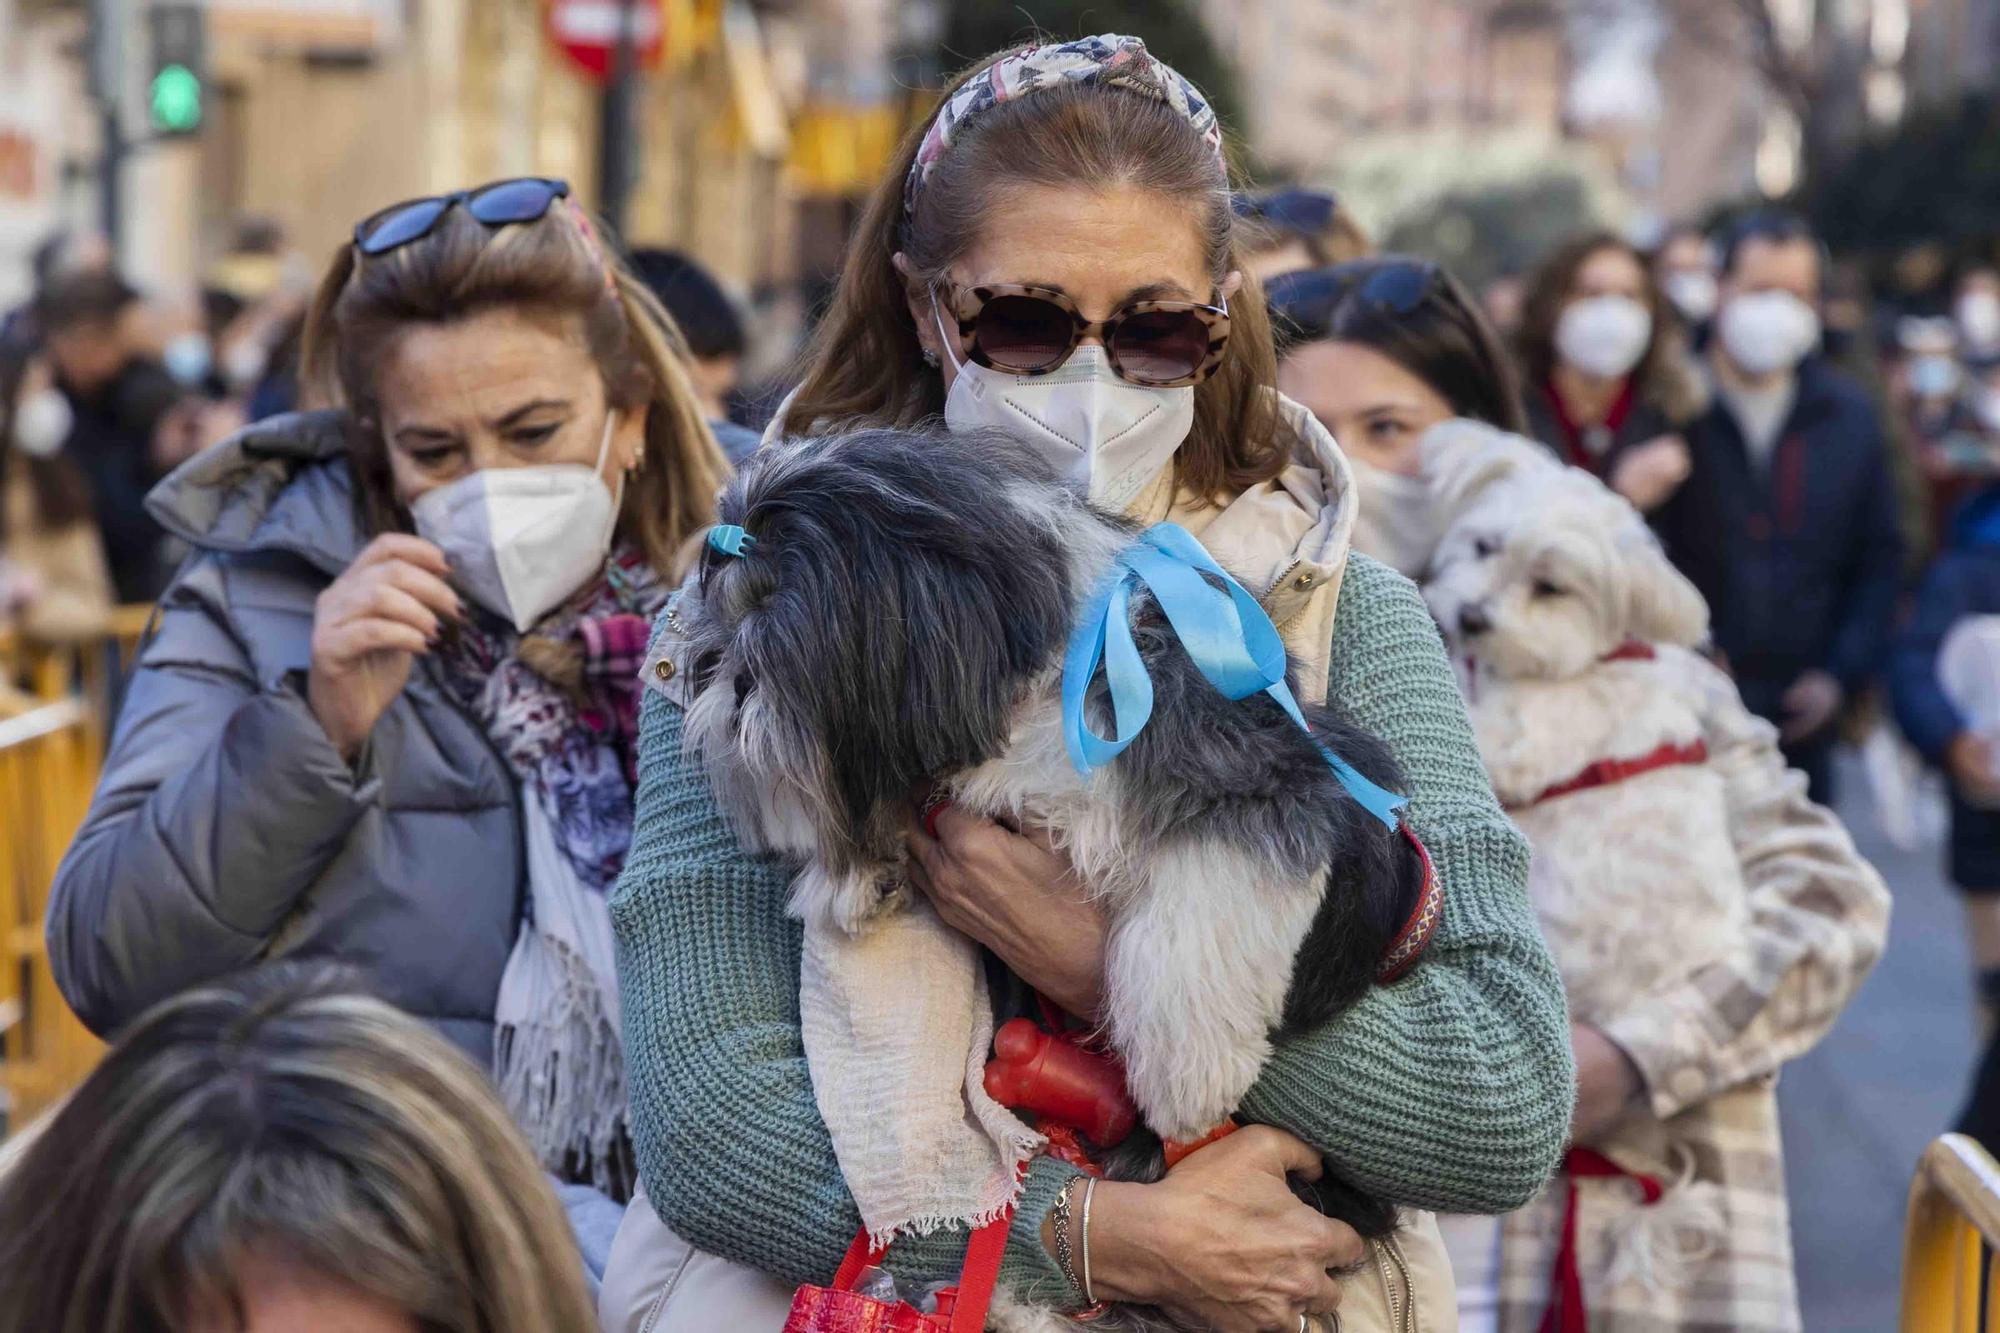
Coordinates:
(898,628)
(1542,574)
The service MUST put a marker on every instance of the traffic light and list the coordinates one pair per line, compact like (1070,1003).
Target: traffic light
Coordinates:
(177,88)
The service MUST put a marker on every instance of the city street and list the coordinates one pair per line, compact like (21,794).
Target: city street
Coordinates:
(1860,1108)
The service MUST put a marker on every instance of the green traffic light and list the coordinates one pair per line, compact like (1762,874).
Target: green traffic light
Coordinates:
(176,100)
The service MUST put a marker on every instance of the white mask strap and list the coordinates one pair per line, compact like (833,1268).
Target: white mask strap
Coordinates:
(949,342)
(603,452)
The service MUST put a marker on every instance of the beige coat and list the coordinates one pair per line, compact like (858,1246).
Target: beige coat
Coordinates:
(68,562)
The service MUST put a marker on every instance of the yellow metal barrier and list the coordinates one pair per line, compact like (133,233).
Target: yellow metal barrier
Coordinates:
(1950,1280)
(49,672)
(48,768)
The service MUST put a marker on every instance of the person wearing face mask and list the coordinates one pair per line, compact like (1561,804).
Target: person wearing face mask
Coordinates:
(1391,350)
(1684,267)
(55,585)
(387,715)
(1379,351)
(1055,256)
(1788,521)
(127,411)
(1607,382)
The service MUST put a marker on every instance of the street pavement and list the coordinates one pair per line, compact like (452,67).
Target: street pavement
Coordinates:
(1859,1108)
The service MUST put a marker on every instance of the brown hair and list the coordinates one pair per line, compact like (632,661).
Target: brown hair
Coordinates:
(554,267)
(60,491)
(1549,287)
(866,364)
(282,1117)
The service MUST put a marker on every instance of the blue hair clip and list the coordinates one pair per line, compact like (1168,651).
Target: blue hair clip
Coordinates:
(730,540)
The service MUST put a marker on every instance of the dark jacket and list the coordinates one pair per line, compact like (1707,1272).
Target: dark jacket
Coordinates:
(112,442)
(1964,581)
(1800,562)
(226,828)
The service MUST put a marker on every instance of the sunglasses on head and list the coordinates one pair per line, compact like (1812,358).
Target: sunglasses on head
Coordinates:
(1033,330)
(498,204)
(1304,302)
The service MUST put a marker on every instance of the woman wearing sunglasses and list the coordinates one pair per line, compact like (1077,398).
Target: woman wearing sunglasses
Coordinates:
(1381,350)
(1055,255)
(387,714)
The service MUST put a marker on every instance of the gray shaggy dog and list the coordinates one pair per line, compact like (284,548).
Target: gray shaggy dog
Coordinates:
(899,626)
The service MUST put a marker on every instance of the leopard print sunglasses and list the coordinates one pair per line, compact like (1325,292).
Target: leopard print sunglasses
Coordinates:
(1020,330)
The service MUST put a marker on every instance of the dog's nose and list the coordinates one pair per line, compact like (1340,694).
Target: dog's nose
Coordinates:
(1472,619)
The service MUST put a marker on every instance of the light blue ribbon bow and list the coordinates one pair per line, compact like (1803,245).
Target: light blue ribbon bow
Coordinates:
(1232,642)
(730,540)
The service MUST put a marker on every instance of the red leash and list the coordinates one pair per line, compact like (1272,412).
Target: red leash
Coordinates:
(1566,1312)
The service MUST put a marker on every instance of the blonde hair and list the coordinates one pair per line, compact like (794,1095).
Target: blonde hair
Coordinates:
(283,1116)
(553,266)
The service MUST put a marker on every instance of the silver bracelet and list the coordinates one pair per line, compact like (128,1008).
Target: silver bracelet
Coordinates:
(1088,1191)
(1064,1258)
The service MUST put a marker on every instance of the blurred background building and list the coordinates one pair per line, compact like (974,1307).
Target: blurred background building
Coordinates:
(1473,129)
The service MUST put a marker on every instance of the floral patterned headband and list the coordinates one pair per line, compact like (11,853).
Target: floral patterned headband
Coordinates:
(1118,62)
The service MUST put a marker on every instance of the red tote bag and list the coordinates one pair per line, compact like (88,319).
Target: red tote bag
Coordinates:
(839,1308)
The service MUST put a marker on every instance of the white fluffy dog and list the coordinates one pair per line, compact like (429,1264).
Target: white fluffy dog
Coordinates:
(1573,635)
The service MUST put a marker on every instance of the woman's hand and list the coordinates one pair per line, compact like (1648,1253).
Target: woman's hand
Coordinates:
(1019,898)
(369,627)
(1607,1083)
(1648,474)
(1221,1242)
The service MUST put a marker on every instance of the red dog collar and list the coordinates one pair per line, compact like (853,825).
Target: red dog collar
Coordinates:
(1415,936)
(1607,771)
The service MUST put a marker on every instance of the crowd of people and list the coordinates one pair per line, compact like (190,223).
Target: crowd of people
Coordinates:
(417,920)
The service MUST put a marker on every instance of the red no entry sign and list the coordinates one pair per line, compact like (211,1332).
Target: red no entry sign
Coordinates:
(587,31)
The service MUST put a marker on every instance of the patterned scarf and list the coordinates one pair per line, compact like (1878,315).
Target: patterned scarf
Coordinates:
(557,1054)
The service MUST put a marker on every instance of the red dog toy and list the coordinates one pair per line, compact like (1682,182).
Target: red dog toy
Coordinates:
(1052,1076)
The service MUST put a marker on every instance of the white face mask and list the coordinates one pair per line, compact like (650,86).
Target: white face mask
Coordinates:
(1397,523)
(1765,332)
(1108,436)
(1978,315)
(187,358)
(521,540)
(1604,336)
(1933,376)
(42,423)
(1692,293)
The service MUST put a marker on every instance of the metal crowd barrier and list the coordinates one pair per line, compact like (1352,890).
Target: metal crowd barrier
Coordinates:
(49,759)
(1950,1280)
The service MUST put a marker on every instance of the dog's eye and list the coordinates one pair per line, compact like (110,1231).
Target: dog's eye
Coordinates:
(1543,588)
(743,687)
(1485,547)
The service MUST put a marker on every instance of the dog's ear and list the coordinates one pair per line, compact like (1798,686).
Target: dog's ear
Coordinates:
(1461,458)
(1663,606)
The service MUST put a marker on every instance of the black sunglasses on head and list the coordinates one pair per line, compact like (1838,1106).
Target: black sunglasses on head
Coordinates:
(498,204)
(1306,301)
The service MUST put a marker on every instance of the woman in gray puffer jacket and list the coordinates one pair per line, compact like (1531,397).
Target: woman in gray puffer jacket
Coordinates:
(387,710)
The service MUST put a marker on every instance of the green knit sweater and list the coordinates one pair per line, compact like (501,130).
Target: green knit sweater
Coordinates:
(1450,1089)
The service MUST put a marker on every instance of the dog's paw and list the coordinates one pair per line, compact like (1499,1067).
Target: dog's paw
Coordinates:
(1183,1092)
(846,901)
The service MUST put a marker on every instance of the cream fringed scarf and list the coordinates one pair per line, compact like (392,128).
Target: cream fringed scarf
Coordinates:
(897,1022)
